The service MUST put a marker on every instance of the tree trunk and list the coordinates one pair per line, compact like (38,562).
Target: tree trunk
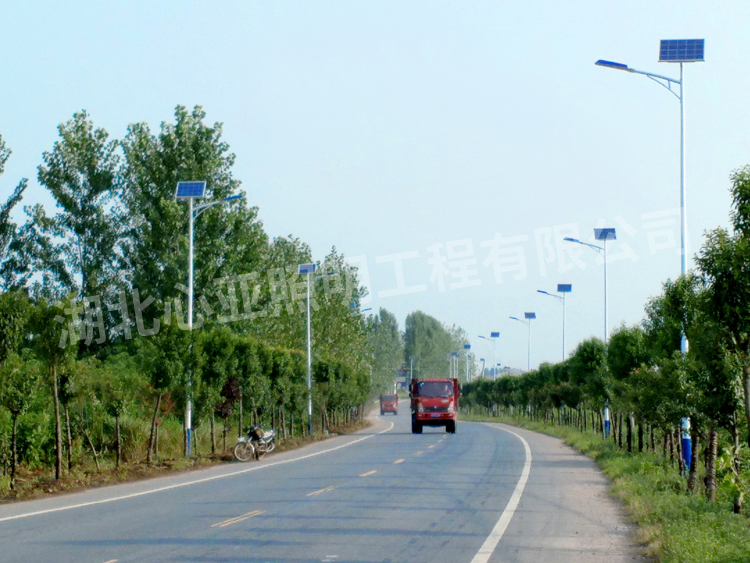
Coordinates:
(283,422)
(93,449)
(695,437)
(653,444)
(630,434)
(640,438)
(70,438)
(152,437)
(711,451)
(240,427)
(619,430)
(118,441)
(58,429)
(225,435)
(213,435)
(678,449)
(670,440)
(13,455)
(746,385)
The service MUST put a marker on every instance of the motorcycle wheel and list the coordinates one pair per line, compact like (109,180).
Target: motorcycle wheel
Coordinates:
(270,446)
(243,451)
(259,453)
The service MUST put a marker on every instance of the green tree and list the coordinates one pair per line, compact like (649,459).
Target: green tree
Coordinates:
(723,262)
(228,238)
(387,345)
(8,229)
(82,174)
(18,379)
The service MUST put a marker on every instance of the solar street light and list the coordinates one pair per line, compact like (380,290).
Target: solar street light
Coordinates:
(493,338)
(529,317)
(674,51)
(561,288)
(603,235)
(308,270)
(190,191)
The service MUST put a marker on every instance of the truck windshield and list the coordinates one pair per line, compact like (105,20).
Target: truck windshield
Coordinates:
(389,398)
(435,389)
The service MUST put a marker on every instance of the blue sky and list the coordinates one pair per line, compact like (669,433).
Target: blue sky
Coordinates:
(391,128)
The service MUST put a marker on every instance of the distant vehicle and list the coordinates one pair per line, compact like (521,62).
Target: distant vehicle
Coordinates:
(388,403)
(434,402)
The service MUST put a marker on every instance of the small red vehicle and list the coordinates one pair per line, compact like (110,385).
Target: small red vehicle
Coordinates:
(388,403)
(434,402)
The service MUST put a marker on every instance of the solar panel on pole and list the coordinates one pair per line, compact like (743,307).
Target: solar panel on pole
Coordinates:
(564,287)
(605,234)
(530,315)
(681,50)
(307,268)
(187,190)
(494,335)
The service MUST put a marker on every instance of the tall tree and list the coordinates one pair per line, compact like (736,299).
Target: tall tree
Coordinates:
(723,263)
(387,344)
(82,174)
(8,229)
(229,239)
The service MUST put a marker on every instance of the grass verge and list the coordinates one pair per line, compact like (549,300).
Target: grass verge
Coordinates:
(38,483)
(675,527)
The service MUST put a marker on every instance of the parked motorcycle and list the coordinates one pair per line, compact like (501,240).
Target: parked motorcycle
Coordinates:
(256,444)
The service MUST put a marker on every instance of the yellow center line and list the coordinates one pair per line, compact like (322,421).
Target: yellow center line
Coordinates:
(398,461)
(237,519)
(369,473)
(312,494)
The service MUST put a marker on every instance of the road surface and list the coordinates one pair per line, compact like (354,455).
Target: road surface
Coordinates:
(488,493)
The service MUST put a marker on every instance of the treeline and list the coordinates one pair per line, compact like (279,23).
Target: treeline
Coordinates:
(424,347)
(96,359)
(645,380)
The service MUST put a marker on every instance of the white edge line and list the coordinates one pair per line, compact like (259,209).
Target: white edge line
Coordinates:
(489,545)
(204,480)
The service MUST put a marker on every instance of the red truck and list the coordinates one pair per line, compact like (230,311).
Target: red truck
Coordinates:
(434,402)
(388,403)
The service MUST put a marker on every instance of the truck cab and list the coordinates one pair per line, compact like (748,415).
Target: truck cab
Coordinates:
(434,402)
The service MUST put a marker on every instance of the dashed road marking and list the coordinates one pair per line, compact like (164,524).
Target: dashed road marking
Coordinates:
(420,452)
(369,473)
(398,461)
(237,519)
(312,494)
(112,561)
(195,482)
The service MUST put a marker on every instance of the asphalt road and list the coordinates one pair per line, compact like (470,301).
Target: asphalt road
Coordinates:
(487,493)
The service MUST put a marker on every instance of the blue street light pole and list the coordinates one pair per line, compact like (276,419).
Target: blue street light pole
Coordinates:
(467,347)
